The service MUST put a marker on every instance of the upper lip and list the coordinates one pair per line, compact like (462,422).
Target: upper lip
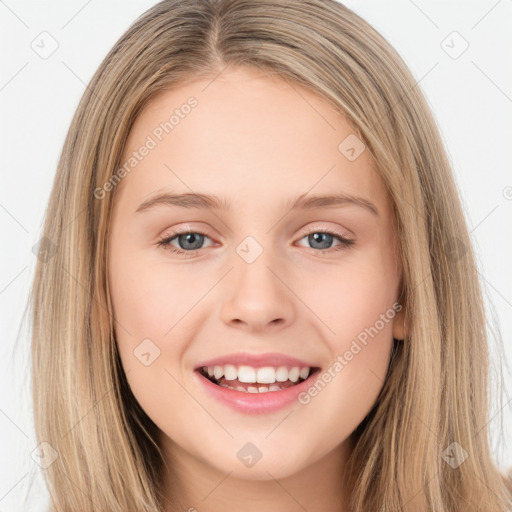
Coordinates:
(256,360)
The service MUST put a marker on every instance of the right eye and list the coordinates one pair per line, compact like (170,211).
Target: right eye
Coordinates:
(184,238)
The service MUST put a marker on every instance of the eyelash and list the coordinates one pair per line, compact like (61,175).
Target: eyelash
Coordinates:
(346,243)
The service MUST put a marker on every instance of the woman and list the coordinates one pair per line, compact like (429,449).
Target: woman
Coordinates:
(254,127)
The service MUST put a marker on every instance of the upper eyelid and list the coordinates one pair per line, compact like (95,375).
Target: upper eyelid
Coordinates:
(304,231)
(187,228)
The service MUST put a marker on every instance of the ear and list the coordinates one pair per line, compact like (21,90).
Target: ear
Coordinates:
(399,327)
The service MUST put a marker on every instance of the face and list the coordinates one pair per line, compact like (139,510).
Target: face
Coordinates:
(254,276)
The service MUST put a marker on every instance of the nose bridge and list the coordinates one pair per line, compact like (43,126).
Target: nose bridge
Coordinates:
(253,262)
(257,295)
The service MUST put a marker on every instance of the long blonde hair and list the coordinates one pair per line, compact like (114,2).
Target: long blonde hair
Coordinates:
(435,393)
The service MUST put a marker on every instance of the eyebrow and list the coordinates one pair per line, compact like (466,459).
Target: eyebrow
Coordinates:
(211,202)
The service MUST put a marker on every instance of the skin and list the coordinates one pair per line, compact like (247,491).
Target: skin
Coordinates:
(257,141)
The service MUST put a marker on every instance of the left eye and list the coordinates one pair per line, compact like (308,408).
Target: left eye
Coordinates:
(191,241)
(326,237)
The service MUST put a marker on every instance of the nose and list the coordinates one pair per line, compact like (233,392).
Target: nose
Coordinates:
(257,297)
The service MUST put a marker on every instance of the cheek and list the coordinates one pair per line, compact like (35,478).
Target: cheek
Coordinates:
(350,298)
(148,307)
(148,299)
(356,309)
(347,389)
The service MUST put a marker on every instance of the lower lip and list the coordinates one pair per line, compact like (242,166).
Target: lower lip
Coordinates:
(256,403)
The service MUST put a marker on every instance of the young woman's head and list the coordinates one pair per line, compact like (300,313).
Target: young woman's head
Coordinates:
(249,186)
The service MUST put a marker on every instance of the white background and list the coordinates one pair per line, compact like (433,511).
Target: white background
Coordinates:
(471,97)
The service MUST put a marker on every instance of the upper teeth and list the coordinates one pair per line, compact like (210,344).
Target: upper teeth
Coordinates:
(263,375)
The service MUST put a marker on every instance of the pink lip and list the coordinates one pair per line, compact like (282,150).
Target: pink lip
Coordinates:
(256,403)
(256,361)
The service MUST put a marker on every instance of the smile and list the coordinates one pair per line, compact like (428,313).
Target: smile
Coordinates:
(251,390)
(248,379)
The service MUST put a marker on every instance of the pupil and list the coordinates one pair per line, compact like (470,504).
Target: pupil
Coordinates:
(189,238)
(315,237)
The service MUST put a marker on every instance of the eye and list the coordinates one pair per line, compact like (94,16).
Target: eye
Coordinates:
(322,240)
(190,241)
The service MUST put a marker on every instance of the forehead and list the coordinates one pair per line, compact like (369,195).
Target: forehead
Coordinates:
(249,136)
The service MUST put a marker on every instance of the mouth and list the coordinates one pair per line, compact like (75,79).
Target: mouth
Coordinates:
(247,379)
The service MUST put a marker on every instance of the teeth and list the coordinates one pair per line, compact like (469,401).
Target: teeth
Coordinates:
(246,374)
(282,374)
(230,372)
(293,374)
(218,372)
(263,375)
(266,375)
(253,389)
